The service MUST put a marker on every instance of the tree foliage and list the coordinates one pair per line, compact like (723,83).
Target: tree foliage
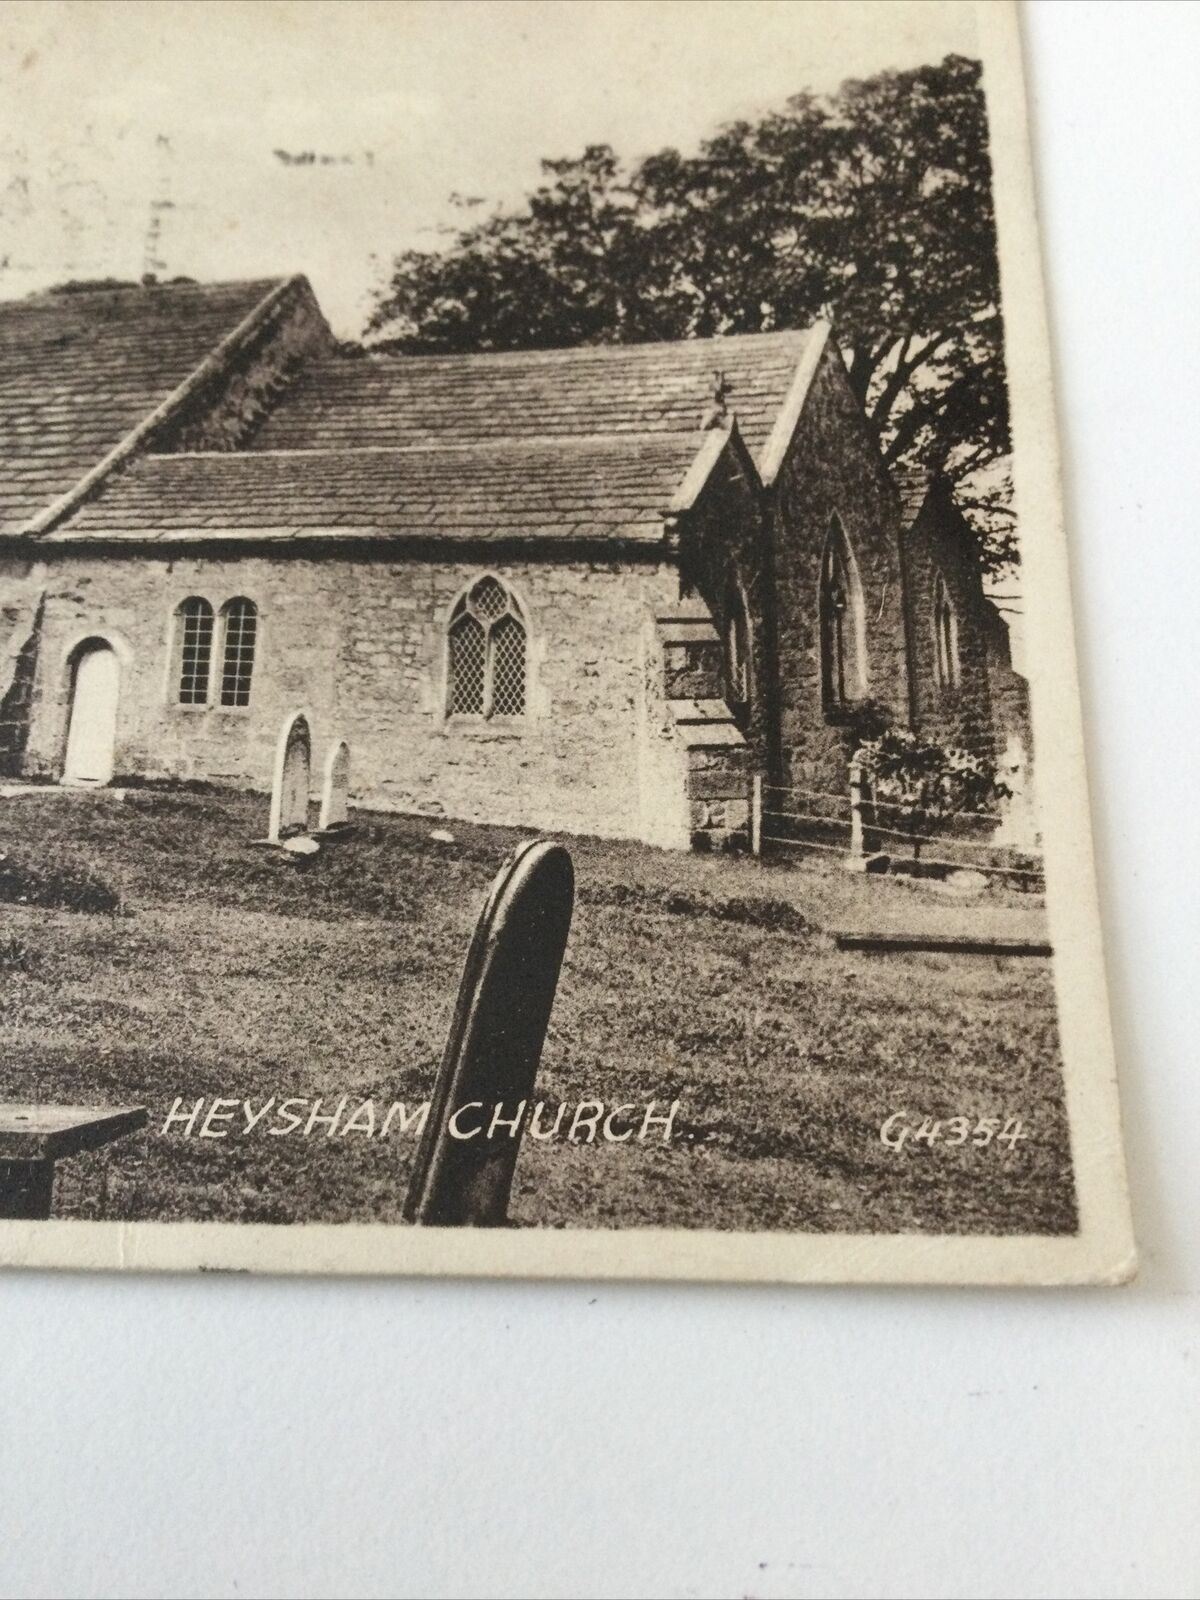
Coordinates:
(924,785)
(872,205)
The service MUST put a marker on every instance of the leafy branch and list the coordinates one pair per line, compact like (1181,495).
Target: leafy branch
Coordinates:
(873,204)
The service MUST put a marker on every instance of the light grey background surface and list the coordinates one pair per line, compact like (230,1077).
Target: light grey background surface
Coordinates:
(224,1437)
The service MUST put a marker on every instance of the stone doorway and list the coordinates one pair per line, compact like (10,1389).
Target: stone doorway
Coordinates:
(92,730)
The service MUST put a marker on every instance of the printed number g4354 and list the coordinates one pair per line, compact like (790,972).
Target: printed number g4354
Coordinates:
(901,1129)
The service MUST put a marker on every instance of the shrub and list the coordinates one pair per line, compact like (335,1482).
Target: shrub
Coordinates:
(926,785)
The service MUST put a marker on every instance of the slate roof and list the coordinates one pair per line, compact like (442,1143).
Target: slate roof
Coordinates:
(395,401)
(80,368)
(554,445)
(552,491)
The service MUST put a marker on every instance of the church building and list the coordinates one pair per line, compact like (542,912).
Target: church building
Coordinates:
(592,590)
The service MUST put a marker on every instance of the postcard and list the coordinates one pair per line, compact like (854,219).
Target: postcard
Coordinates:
(539,728)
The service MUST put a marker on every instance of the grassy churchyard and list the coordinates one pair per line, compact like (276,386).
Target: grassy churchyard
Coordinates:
(147,953)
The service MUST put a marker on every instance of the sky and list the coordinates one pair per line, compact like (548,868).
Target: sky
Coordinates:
(253,138)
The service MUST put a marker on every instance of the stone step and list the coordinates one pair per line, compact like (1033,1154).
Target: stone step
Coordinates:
(685,631)
(689,713)
(712,736)
(693,609)
(705,724)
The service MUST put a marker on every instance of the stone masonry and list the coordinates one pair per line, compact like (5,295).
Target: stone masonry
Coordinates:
(936,543)
(833,470)
(359,644)
(660,515)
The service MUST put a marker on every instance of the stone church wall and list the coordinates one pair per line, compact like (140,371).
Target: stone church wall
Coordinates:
(723,555)
(358,643)
(243,389)
(20,632)
(833,470)
(937,542)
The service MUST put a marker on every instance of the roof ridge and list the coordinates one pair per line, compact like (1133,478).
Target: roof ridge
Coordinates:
(564,441)
(565,351)
(70,294)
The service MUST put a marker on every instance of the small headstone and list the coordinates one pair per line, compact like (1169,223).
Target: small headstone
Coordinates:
(495,1041)
(335,795)
(289,792)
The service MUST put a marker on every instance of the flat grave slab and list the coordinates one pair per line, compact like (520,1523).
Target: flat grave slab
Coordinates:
(48,1133)
(950,943)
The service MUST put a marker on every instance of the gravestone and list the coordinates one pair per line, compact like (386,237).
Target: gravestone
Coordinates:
(289,792)
(495,1041)
(335,795)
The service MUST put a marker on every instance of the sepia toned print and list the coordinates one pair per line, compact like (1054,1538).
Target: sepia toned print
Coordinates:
(545,741)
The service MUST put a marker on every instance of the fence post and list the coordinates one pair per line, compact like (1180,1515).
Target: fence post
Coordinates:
(856,861)
(756,815)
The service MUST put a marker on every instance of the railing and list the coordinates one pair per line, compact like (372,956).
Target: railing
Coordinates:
(859,828)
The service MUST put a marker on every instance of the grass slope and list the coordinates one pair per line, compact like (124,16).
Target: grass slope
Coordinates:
(231,971)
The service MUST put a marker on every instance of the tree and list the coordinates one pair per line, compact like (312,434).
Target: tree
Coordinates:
(872,205)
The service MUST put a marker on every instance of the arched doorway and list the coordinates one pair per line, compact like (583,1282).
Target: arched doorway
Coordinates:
(92,730)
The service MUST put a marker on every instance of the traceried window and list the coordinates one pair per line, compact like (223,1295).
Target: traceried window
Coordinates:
(468,652)
(507,652)
(842,674)
(194,634)
(487,655)
(237,657)
(945,636)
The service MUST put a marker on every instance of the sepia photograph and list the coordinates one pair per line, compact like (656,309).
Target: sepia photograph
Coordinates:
(597,910)
(538,727)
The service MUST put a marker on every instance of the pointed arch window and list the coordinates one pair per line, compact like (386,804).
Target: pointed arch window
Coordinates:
(194,633)
(237,658)
(843,674)
(488,653)
(738,670)
(945,635)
